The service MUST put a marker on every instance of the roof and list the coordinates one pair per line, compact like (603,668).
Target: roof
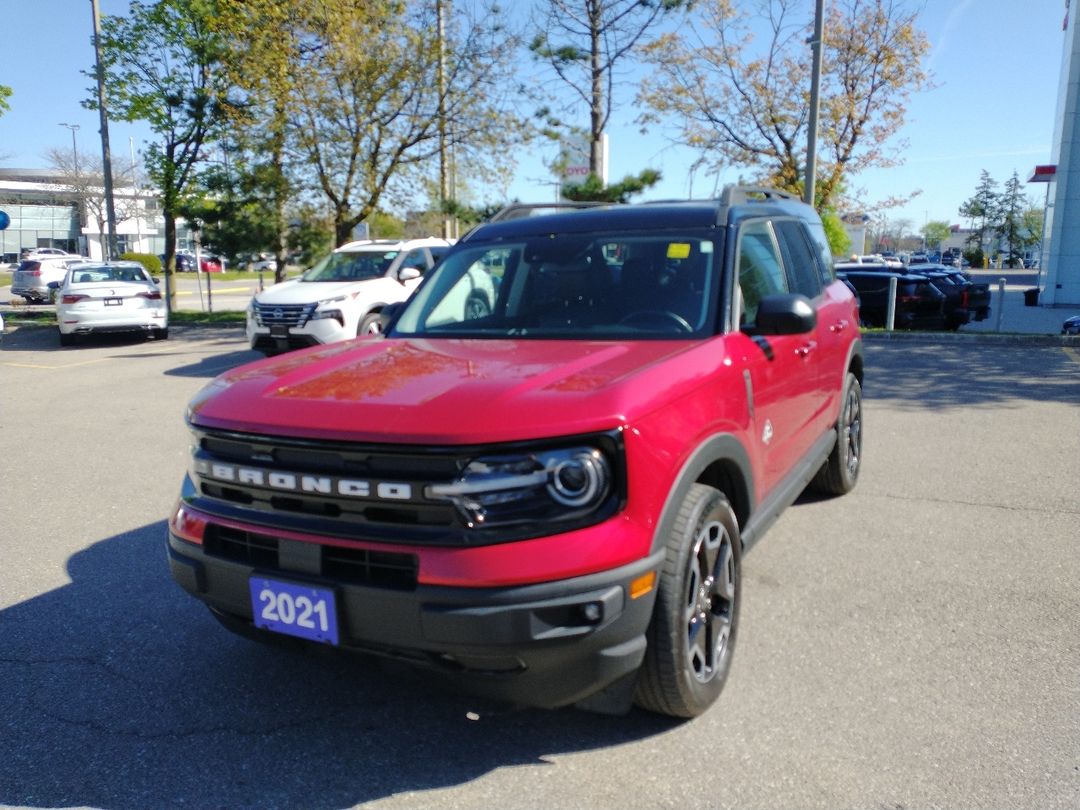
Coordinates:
(646,216)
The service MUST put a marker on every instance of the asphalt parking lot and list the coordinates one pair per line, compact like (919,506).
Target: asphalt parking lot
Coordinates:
(915,644)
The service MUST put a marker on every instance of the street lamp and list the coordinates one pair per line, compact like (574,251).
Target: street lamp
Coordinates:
(74,149)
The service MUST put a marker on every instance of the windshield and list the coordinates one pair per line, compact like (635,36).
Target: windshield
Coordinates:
(352,266)
(595,286)
(93,275)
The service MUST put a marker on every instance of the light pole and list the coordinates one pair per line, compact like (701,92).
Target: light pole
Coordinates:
(74,148)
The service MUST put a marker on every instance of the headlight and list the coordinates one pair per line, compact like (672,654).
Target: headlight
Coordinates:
(328,314)
(546,485)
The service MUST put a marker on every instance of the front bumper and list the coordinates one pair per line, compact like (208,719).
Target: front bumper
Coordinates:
(312,333)
(98,323)
(547,645)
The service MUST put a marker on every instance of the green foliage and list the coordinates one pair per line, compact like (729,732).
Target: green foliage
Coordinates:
(148,260)
(593,190)
(836,233)
(974,256)
(5,94)
(311,235)
(935,233)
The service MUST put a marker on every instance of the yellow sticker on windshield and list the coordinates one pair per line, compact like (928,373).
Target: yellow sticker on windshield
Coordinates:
(678,250)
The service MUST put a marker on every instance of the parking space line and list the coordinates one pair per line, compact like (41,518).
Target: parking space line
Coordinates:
(56,368)
(1072,354)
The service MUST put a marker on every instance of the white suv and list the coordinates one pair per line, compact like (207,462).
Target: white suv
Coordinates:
(342,296)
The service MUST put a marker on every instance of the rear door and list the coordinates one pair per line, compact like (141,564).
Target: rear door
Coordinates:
(809,260)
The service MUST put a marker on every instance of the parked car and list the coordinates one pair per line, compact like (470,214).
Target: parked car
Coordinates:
(919,304)
(546,501)
(1071,326)
(98,298)
(342,296)
(211,264)
(965,300)
(185,262)
(42,252)
(33,276)
(263,262)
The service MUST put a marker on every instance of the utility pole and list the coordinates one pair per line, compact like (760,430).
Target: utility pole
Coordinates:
(106,156)
(74,147)
(444,174)
(816,43)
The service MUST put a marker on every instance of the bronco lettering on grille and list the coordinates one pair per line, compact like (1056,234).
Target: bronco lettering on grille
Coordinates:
(297,482)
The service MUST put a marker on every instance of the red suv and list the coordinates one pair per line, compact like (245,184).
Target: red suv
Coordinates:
(547,499)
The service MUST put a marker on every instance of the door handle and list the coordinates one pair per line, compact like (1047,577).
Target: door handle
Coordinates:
(804,350)
(839,326)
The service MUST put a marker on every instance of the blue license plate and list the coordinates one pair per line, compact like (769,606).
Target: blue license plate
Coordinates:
(296,610)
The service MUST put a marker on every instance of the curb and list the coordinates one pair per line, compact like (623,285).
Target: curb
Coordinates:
(1000,338)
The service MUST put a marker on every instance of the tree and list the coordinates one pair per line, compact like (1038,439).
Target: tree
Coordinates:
(1009,227)
(747,104)
(369,102)
(264,52)
(163,66)
(935,232)
(84,180)
(585,42)
(594,190)
(5,94)
(982,210)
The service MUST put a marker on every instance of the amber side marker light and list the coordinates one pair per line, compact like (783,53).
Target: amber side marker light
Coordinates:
(642,585)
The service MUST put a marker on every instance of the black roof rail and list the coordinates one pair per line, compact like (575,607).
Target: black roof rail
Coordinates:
(741,194)
(522,210)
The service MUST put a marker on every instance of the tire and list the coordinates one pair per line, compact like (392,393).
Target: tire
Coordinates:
(840,473)
(67,340)
(476,306)
(161,334)
(370,324)
(691,637)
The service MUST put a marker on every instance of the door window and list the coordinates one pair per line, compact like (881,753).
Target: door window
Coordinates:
(761,272)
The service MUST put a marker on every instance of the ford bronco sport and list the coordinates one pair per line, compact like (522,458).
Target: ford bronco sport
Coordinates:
(548,499)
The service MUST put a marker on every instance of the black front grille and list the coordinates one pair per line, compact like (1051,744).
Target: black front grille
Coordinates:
(355,566)
(362,492)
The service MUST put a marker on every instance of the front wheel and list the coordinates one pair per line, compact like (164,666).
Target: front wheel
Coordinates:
(370,324)
(691,637)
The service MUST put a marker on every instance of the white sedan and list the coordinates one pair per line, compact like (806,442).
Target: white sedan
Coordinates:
(109,297)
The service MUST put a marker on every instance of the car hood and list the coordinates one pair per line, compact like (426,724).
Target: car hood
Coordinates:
(297,291)
(454,391)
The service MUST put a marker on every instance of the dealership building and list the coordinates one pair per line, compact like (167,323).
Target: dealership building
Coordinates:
(47,209)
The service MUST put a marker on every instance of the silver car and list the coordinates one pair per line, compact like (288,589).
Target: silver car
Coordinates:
(33,275)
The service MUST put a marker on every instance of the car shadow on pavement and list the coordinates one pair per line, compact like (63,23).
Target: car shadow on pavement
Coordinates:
(949,375)
(120,691)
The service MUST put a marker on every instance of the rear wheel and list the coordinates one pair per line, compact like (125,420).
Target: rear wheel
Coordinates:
(161,334)
(692,633)
(839,474)
(67,340)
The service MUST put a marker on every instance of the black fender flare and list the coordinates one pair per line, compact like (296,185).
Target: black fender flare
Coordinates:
(721,447)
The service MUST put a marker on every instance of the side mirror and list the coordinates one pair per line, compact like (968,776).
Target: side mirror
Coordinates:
(408,274)
(785,314)
(155,279)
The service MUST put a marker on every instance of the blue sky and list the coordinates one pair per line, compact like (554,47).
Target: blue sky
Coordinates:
(996,64)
